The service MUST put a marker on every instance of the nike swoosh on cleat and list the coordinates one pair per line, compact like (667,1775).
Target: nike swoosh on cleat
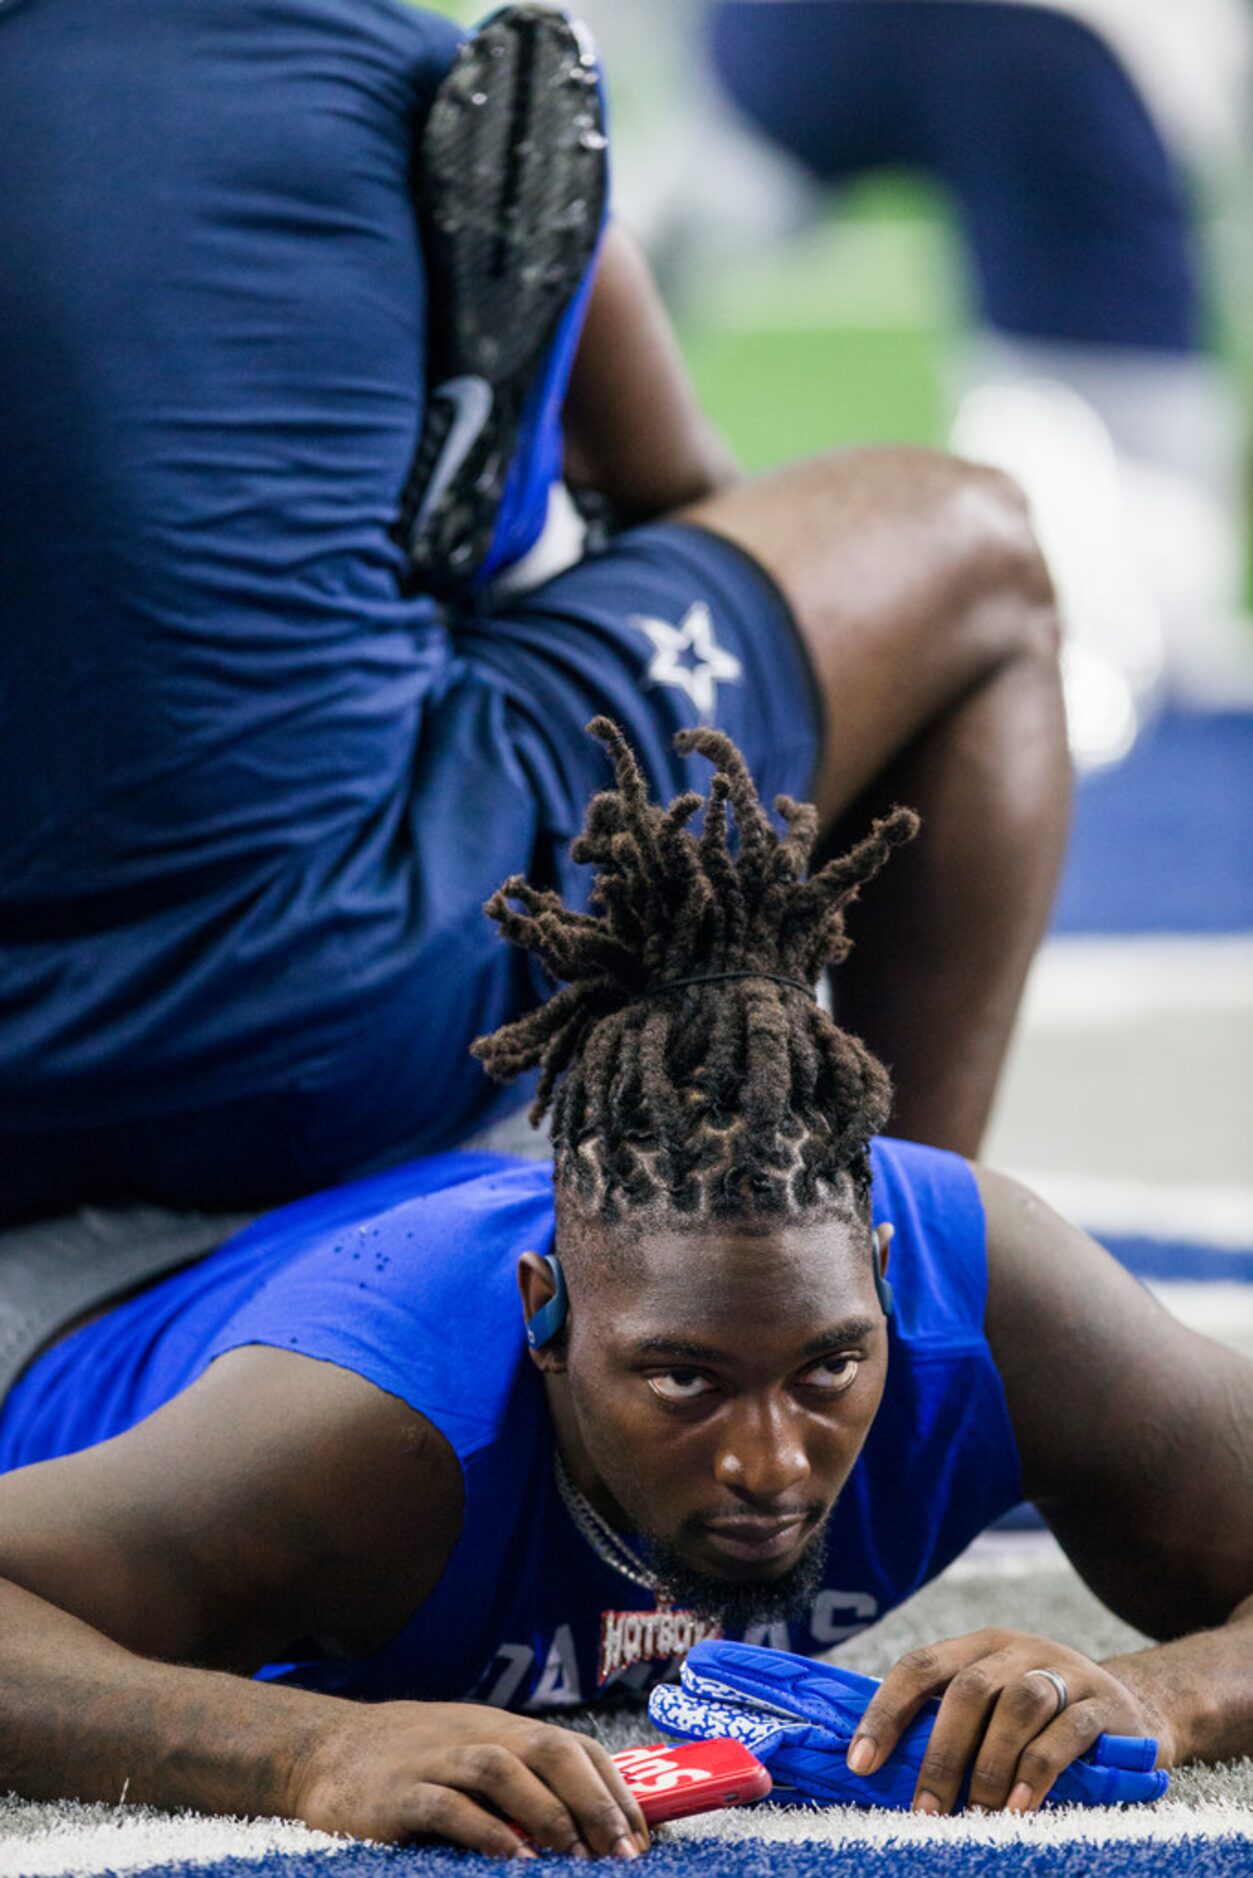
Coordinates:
(472,399)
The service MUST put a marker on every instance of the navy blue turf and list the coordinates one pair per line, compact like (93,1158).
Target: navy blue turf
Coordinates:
(1164,842)
(1178,1261)
(1185,1858)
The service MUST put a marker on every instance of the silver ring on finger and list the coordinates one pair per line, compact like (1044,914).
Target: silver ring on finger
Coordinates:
(1058,1683)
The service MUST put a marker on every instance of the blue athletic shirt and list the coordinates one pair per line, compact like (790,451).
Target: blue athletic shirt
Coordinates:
(408,1279)
(212,360)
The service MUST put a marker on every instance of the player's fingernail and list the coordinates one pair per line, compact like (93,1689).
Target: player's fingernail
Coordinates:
(1020,1799)
(526,1851)
(625,1848)
(861,1755)
(927,1803)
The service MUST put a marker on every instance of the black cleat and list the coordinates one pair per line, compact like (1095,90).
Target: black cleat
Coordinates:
(512,196)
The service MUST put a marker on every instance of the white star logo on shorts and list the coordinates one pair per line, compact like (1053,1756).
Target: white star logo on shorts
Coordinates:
(690,658)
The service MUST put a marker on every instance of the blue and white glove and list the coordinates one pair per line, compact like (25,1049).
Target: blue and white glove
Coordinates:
(799,1717)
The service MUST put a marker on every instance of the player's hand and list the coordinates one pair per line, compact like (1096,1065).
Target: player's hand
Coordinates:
(400,1771)
(997,1723)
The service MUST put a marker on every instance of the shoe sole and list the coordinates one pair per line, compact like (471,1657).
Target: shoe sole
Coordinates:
(512,186)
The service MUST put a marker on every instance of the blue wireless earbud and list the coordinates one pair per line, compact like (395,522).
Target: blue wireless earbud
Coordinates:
(883,1290)
(550,1320)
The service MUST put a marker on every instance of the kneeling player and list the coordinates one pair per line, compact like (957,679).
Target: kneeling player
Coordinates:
(326,1454)
(254,796)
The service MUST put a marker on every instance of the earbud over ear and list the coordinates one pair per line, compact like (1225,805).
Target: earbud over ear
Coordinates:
(883,1290)
(550,1320)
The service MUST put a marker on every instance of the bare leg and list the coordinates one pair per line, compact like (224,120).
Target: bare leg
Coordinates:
(930,621)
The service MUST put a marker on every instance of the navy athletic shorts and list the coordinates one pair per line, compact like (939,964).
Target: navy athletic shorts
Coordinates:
(670,626)
(1075,212)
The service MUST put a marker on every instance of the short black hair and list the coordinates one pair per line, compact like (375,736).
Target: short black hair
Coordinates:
(740,1099)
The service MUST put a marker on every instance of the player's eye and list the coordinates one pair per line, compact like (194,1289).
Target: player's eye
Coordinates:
(833,1374)
(680,1385)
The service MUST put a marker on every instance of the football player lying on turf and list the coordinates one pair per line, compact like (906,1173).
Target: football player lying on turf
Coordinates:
(255,785)
(325,1453)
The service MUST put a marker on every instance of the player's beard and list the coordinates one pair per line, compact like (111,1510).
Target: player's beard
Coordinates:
(776,1600)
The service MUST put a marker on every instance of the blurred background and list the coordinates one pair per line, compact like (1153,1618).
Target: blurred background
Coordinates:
(809,192)
(1024,231)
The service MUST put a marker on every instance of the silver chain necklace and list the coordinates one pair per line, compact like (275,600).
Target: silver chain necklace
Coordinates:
(609,1546)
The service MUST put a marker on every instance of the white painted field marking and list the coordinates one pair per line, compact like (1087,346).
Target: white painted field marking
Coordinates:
(1223,1312)
(1205,1213)
(1168,1821)
(51,1841)
(1105,983)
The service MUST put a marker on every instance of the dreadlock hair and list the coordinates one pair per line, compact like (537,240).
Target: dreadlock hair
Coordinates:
(712,1100)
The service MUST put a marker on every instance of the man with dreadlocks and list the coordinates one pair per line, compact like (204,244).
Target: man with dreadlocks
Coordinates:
(337,1455)
(698,1104)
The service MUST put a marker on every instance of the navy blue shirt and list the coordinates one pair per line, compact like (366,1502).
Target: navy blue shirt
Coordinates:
(252,795)
(212,340)
(408,1279)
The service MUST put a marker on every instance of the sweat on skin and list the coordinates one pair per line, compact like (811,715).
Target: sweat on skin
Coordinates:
(360,1449)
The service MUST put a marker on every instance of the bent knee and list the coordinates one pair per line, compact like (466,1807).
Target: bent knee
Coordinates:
(968,525)
(1009,580)
(993,509)
(905,538)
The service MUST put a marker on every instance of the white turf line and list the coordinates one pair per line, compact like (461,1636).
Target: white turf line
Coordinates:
(1003,1579)
(1170,1820)
(1084,986)
(1103,982)
(52,1841)
(55,1842)
(1204,1213)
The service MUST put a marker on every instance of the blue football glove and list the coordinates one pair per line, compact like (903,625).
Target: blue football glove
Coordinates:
(799,1717)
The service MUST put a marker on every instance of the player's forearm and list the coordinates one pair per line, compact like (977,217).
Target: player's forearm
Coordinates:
(83,1718)
(634,429)
(1202,1686)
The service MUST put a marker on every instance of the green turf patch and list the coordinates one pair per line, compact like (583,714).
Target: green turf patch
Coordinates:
(776,396)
